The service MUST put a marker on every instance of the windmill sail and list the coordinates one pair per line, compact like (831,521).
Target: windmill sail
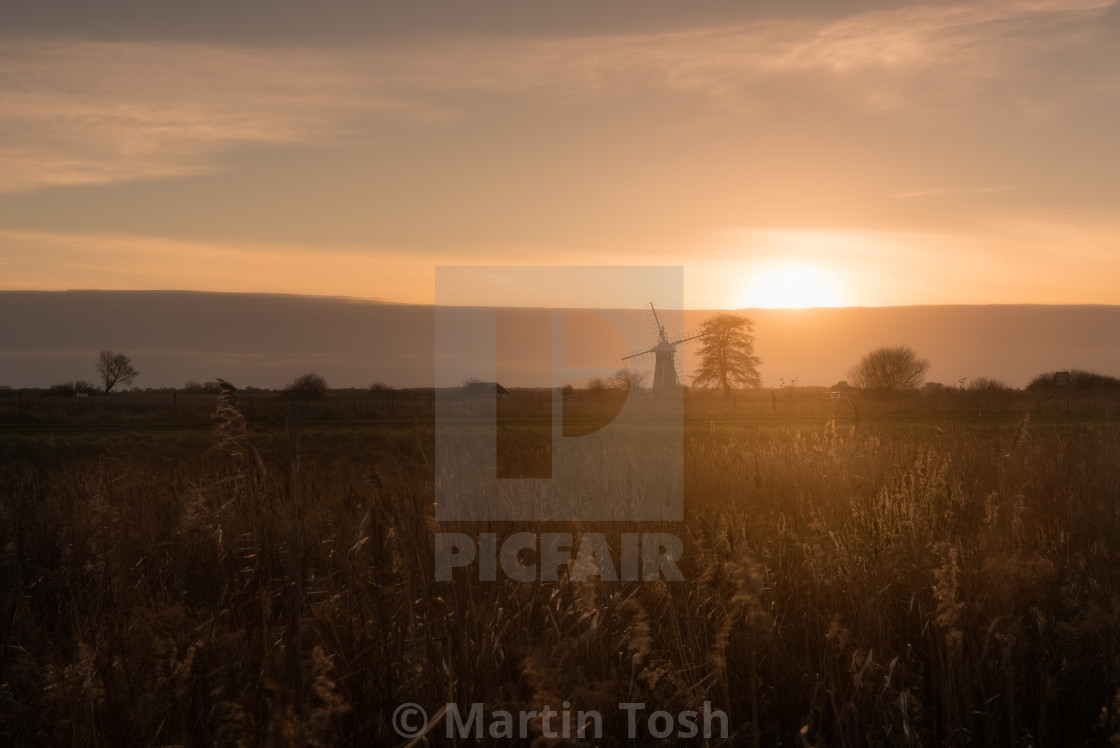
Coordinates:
(667,370)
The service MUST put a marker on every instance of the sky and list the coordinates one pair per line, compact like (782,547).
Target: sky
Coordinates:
(803,153)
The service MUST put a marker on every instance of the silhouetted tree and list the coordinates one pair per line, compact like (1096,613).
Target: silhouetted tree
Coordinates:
(727,355)
(306,387)
(627,379)
(890,369)
(115,368)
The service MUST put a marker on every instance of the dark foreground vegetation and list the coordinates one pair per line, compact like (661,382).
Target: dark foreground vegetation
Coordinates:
(921,576)
(78,404)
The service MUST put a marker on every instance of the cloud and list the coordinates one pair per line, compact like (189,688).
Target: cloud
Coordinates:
(93,112)
(872,52)
(81,112)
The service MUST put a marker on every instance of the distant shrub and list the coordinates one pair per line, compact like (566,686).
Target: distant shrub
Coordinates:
(306,387)
(69,389)
(1079,380)
(987,384)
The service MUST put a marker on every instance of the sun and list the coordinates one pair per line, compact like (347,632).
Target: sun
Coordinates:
(792,285)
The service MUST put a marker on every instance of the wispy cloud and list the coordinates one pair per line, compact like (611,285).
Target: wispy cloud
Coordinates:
(85,112)
(80,112)
(877,51)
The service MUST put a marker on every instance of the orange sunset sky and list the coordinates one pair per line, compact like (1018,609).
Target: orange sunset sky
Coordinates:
(786,154)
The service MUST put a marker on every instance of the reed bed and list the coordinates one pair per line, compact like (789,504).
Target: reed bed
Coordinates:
(872,585)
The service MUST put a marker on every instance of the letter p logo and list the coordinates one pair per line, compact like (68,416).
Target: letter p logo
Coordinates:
(539,329)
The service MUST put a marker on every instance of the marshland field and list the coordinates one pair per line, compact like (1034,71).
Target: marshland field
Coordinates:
(936,569)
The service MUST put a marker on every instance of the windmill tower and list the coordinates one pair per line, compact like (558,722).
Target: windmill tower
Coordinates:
(667,371)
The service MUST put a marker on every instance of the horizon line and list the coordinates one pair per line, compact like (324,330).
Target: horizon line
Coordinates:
(382,301)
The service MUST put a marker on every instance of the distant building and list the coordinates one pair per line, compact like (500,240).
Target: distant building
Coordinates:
(482,389)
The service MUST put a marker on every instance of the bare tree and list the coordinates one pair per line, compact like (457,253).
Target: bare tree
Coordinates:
(115,368)
(889,369)
(727,356)
(627,379)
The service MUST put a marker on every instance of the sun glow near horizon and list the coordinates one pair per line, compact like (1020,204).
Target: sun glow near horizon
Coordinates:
(793,285)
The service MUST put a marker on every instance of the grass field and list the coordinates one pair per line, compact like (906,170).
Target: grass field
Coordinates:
(922,576)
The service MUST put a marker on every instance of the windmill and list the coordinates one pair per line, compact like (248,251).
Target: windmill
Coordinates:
(667,371)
